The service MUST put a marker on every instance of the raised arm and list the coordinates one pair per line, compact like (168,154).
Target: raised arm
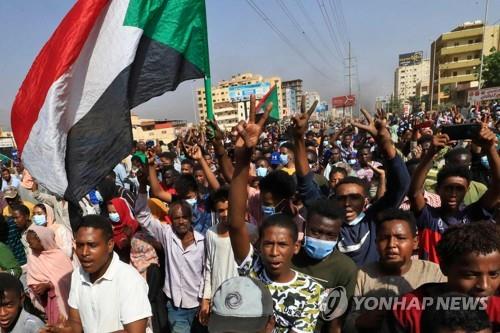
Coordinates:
(398,178)
(217,137)
(416,191)
(195,153)
(156,189)
(488,142)
(249,134)
(308,190)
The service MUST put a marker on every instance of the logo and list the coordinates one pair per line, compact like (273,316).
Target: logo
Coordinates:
(334,304)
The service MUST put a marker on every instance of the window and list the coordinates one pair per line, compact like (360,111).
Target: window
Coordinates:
(455,73)
(476,56)
(456,44)
(467,71)
(455,59)
(478,40)
(471,41)
(469,57)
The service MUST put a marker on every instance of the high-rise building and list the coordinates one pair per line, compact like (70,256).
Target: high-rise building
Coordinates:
(456,59)
(228,111)
(292,95)
(413,72)
(311,96)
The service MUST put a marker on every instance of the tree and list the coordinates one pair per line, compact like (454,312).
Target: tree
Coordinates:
(491,70)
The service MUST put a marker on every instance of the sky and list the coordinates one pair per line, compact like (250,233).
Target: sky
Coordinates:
(240,41)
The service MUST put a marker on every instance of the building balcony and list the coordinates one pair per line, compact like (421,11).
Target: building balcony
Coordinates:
(462,48)
(466,33)
(460,64)
(458,78)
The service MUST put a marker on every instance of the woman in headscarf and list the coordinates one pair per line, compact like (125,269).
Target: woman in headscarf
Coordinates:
(144,258)
(124,226)
(43,216)
(48,274)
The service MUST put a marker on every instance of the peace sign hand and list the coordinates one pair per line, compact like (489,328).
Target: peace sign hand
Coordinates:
(249,132)
(301,120)
(377,126)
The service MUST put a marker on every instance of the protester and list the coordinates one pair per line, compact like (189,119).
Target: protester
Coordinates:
(106,294)
(13,317)
(295,296)
(395,274)
(469,256)
(184,250)
(48,274)
(452,185)
(9,181)
(144,258)
(124,226)
(43,215)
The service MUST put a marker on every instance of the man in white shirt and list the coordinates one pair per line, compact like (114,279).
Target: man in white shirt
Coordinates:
(106,294)
(8,180)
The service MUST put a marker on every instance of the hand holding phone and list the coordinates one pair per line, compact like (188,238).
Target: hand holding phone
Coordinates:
(462,131)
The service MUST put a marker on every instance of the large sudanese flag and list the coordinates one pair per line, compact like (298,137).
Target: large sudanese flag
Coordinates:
(71,116)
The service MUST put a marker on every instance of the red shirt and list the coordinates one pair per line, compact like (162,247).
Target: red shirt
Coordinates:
(409,318)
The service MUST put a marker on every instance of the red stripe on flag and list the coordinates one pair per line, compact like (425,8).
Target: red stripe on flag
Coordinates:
(263,99)
(55,58)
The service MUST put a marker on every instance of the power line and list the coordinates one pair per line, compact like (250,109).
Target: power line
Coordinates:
(283,36)
(299,28)
(313,25)
(340,10)
(336,22)
(329,27)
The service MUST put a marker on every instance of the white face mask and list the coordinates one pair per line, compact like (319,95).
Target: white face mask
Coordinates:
(191,201)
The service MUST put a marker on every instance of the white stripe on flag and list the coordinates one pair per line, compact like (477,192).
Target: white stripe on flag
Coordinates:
(109,49)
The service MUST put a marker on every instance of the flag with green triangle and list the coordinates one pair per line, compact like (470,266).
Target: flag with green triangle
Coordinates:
(270,96)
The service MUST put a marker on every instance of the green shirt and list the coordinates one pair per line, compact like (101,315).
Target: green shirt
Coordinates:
(8,262)
(336,270)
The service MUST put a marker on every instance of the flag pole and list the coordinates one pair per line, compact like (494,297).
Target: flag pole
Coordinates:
(208,98)
(208,79)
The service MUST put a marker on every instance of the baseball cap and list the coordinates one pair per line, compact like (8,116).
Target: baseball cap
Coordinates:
(275,158)
(10,193)
(240,304)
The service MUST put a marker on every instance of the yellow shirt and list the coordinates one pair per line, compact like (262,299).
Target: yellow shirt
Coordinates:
(289,171)
(7,211)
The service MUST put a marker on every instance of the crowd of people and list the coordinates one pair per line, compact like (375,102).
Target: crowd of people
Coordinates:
(267,227)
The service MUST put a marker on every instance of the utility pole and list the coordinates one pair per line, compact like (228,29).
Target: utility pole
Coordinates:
(349,75)
(433,72)
(482,48)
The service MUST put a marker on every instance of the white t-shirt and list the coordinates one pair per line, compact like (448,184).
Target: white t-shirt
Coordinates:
(118,298)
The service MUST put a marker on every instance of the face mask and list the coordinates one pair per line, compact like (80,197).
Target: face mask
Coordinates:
(261,171)
(485,162)
(268,211)
(284,159)
(114,217)
(98,196)
(357,219)
(352,161)
(40,220)
(191,202)
(318,248)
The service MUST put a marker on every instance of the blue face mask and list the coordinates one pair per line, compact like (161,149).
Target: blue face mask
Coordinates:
(268,211)
(191,202)
(261,172)
(114,217)
(284,159)
(317,248)
(485,162)
(40,220)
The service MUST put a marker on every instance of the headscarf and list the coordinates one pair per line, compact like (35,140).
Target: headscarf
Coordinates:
(126,228)
(143,253)
(50,265)
(49,215)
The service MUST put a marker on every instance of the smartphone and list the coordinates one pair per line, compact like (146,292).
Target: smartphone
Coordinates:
(462,131)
